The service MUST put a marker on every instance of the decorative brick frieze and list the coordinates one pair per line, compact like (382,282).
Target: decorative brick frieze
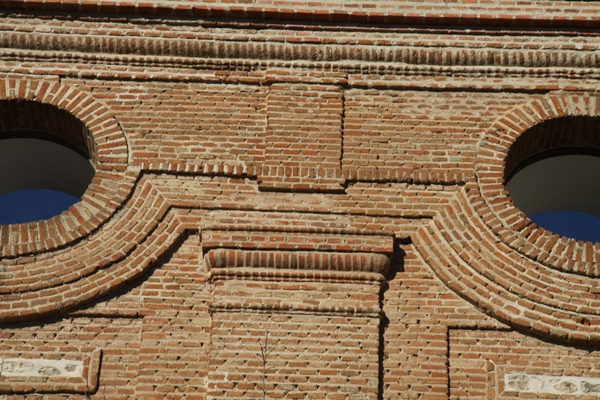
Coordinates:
(293,48)
(321,261)
(226,169)
(282,275)
(379,75)
(298,200)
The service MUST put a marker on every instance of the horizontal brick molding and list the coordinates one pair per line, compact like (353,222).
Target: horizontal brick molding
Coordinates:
(252,72)
(507,15)
(495,207)
(51,375)
(303,260)
(103,139)
(416,175)
(313,49)
(209,168)
(286,275)
(294,238)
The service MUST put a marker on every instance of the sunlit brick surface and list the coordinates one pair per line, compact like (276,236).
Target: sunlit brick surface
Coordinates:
(297,200)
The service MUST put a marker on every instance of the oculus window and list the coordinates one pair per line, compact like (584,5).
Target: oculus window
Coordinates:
(553,176)
(46,161)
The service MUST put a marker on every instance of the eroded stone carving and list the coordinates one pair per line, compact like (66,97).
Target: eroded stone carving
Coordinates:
(549,384)
(49,371)
(17,367)
(587,387)
(70,367)
(518,382)
(566,387)
(40,367)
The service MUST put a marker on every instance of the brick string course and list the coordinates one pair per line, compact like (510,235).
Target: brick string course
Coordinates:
(323,180)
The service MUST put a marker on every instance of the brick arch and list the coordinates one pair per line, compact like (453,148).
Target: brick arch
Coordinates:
(105,141)
(27,118)
(53,282)
(468,257)
(496,208)
(489,253)
(554,137)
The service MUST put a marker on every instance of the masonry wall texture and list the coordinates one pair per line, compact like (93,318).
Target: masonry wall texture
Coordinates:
(298,200)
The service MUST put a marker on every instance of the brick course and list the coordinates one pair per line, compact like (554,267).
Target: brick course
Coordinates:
(323,179)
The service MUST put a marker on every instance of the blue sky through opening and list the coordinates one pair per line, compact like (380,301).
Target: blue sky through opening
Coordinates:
(32,205)
(37,204)
(572,224)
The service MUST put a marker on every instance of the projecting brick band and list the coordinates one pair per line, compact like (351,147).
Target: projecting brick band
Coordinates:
(402,13)
(303,260)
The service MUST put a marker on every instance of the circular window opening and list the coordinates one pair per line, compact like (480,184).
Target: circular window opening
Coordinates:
(46,161)
(553,176)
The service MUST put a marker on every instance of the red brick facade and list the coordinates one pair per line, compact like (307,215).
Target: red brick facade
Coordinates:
(297,200)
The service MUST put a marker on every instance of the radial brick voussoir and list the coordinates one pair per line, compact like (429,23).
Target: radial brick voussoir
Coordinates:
(488,252)
(78,119)
(145,230)
(498,210)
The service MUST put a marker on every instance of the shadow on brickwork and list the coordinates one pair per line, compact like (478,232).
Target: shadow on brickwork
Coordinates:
(127,286)
(113,295)
(396,267)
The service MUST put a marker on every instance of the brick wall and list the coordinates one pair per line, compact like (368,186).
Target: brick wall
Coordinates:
(298,200)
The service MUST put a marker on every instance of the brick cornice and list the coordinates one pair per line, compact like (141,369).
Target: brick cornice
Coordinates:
(578,15)
(315,51)
(246,72)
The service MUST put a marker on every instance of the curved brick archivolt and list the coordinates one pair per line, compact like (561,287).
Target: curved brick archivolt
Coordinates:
(103,140)
(122,250)
(495,207)
(20,117)
(467,255)
(490,253)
